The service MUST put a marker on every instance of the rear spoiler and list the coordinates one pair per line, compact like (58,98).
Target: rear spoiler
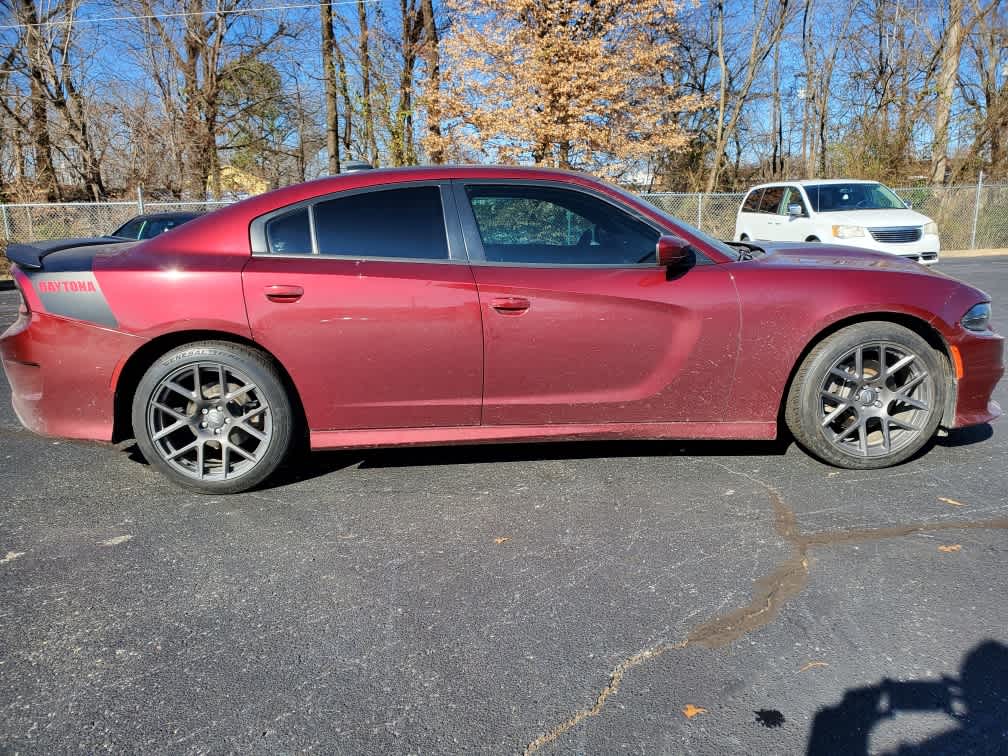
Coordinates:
(30,256)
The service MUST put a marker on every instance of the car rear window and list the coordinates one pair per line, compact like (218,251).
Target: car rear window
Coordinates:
(290,234)
(399,223)
(771,199)
(752,202)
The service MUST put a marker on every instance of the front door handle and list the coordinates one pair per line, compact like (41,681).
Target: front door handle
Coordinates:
(283,293)
(510,305)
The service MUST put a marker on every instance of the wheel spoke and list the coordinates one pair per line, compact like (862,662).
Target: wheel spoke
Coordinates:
(168,430)
(169,411)
(222,379)
(883,371)
(835,414)
(254,432)
(248,455)
(200,467)
(915,403)
(859,363)
(886,435)
(197,444)
(902,363)
(179,389)
(250,414)
(197,386)
(225,458)
(240,391)
(863,437)
(844,375)
(912,383)
(899,423)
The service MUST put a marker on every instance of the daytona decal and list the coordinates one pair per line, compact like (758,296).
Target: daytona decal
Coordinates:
(74,295)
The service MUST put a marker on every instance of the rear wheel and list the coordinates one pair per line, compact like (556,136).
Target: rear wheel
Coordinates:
(870,395)
(213,417)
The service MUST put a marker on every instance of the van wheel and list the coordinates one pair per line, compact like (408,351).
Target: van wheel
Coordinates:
(813,239)
(870,395)
(213,417)
(744,237)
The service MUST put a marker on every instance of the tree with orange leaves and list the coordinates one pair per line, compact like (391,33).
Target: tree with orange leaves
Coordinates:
(566,83)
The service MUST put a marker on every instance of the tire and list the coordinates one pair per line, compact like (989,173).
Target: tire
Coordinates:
(878,417)
(744,237)
(814,239)
(200,442)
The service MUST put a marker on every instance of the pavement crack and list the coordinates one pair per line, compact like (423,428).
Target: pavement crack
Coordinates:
(769,594)
(615,680)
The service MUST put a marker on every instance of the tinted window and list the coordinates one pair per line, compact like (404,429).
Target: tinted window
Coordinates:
(751,204)
(405,223)
(130,229)
(290,234)
(771,199)
(792,196)
(532,224)
(156,227)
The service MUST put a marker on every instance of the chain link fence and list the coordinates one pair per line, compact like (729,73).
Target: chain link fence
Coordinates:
(70,220)
(968,217)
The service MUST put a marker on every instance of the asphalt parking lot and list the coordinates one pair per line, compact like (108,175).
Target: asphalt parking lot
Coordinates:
(642,598)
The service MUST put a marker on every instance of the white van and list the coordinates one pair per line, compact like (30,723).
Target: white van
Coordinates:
(862,214)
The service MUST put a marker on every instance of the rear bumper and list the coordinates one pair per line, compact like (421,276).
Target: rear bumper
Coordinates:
(982,357)
(61,374)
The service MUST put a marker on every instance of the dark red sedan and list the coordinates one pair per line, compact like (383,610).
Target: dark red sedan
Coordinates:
(463,305)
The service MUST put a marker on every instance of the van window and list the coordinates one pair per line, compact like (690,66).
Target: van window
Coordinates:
(771,199)
(751,204)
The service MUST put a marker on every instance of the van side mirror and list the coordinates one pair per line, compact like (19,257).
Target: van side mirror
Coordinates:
(794,210)
(674,251)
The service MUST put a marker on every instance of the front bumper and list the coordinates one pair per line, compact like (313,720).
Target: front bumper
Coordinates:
(61,373)
(982,359)
(926,250)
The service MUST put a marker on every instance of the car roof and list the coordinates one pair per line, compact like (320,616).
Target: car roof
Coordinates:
(178,215)
(811,182)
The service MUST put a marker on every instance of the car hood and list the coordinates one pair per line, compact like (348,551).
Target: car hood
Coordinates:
(836,257)
(874,218)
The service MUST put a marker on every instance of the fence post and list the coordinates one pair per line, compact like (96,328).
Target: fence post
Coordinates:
(699,211)
(976,210)
(6,222)
(140,204)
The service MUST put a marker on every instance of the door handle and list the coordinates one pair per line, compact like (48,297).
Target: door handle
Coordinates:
(510,305)
(283,293)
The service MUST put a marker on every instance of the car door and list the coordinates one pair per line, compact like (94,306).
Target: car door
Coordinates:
(771,222)
(580,323)
(367,300)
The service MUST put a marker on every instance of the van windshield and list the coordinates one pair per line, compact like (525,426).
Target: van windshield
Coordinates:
(832,198)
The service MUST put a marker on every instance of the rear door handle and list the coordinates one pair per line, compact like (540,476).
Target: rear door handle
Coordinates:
(510,305)
(283,293)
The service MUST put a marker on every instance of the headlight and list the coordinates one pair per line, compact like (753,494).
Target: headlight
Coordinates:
(978,317)
(848,232)
(931,228)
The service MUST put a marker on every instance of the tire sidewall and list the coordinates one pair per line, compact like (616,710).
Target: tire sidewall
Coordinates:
(262,374)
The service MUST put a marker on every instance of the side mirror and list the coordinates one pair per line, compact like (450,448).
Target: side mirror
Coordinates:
(795,210)
(674,251)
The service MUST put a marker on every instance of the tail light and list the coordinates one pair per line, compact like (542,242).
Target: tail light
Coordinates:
(23,307)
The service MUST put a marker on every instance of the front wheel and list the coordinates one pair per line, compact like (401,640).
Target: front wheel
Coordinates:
(870,395)
(213,417)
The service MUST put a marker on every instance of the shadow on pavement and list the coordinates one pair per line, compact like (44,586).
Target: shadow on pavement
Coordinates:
(977,701)
(975,434)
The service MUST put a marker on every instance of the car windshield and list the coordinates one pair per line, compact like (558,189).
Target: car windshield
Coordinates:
(833,198)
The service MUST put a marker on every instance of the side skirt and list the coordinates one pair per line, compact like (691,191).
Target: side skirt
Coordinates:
(488,434)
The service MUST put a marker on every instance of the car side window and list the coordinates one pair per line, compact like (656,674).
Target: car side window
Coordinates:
(404,223)
(771,201)
(157,227)
(290,233)
(130,230)
(752,202)
(553,226)
(792,196)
